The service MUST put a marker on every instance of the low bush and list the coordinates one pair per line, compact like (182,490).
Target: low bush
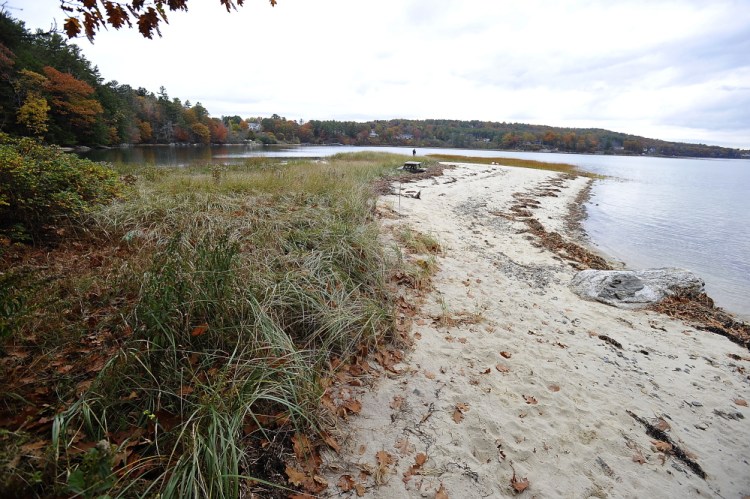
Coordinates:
(40,185)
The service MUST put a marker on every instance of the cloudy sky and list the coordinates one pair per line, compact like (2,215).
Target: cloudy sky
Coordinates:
(674,70)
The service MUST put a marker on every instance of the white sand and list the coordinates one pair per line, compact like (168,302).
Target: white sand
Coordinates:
(577,440)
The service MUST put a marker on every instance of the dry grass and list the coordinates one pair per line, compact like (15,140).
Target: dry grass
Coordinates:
(176,340)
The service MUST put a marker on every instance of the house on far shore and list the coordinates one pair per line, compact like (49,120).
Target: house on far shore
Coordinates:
(373,133)
(253,127)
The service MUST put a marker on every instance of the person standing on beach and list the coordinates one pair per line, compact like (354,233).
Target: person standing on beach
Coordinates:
(413,152)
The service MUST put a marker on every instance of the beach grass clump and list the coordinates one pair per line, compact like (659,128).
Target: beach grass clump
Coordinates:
(236,293)
(419,242)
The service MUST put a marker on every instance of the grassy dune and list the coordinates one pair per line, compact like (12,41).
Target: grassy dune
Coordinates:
(219,301)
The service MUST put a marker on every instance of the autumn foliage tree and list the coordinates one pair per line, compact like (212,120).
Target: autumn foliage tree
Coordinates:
(89,16)
(34,110)
(71,101)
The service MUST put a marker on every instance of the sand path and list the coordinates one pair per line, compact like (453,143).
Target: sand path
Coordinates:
(510,375)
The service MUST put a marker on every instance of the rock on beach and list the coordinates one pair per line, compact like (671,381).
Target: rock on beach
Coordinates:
(635,288)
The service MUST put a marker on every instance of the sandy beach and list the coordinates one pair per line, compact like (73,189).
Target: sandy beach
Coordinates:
(515,386)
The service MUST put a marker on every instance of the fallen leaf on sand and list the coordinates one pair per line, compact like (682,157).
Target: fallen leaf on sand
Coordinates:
(353,405)
(332,443)
(397,402)
(296,477)
(660,446)
(420,459)
(502,368)
(486,371)
(457,416)
(519,484)
(384,458)
(741,402)
(429,375)
(441,493)
(505,354)
(346,483)
(638,458)
(662,424)
(462,340)
(554,388)
(359,489)
(530,400)
(458,413)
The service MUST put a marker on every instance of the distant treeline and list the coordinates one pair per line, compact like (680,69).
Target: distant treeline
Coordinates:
(49,90)
(482,135)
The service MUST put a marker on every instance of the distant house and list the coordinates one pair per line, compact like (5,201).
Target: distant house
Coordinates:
(404,136)
(373,133)
(254,127)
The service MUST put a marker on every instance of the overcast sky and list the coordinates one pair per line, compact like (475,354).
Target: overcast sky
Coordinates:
(673,70)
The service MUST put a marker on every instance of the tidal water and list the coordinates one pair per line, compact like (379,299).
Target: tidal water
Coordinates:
(646,212)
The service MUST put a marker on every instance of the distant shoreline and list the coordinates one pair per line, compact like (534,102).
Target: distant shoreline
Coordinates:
(260,145)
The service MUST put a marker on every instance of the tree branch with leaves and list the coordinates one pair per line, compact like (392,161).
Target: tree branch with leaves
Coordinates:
(90,16)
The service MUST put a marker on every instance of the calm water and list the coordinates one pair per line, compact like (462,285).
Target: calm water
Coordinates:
(648,212)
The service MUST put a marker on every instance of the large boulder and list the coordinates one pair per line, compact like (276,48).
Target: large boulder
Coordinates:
(635,288)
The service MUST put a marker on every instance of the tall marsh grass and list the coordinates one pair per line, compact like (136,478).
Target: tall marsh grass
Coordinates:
(252,281)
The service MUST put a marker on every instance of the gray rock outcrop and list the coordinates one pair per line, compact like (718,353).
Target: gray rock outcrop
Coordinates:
(635,288)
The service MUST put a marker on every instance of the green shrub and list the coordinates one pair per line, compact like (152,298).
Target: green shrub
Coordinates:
(39,185)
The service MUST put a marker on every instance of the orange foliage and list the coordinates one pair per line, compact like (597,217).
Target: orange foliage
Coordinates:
(70,98)
(218,131)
